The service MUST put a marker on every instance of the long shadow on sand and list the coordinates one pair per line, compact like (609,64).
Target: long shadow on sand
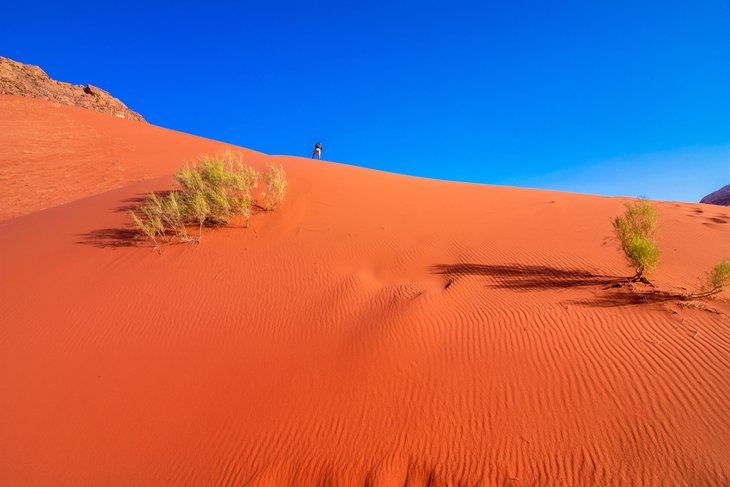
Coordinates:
(135,201)
(524,277)
(612,298)
(521,277)
(106,238)
(118,237)
(628,296)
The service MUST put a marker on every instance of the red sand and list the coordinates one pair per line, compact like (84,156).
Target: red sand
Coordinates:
(50,154)
(377,330)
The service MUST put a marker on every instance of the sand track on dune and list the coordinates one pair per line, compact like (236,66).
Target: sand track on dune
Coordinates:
(371,332)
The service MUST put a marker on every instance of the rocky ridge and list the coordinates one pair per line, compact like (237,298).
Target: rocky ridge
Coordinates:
(31,81)
(719,197)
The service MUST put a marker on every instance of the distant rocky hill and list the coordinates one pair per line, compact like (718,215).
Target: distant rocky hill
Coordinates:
(719,197)
(28,80)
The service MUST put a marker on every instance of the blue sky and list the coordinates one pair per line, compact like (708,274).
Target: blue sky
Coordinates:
(607,97)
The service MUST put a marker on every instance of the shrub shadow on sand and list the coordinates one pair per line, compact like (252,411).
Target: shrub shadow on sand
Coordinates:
(522,277)
(609,290)
(134,202)
(631,297)
(110,238)
(106,238)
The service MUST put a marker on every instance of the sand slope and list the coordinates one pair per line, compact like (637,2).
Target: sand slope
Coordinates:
(377,330)
(51,154)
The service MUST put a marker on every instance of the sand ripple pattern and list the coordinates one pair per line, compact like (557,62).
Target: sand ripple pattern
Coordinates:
(378,330)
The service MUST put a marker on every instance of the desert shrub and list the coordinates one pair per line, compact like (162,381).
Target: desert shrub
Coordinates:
(153,216)
(189,180)
(275,180)
(643,253)
(247,182)
(174,212)
(219,204)
(224,182)
(249,178)
(145,226)
(717,280)
(212,191)
(635,232)
(243,206)
(200,209)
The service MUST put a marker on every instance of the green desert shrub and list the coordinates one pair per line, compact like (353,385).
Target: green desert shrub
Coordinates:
(643,253)
(212,192)
(153,216)
(189,180)
(717,280)
(175,213)
(145,226)
(635,232)
(243,206)
(249,178)
(219,204)
(226,184)
(275,180)
(200,210)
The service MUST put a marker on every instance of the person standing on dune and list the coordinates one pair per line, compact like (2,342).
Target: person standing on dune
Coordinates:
(317,151)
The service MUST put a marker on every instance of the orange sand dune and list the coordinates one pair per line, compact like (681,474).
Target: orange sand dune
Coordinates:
(377,330)
(51,154)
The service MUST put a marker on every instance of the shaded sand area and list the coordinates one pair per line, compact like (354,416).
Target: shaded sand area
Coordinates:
(377,330)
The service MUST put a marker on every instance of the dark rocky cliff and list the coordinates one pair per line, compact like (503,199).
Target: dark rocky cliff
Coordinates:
(719,197)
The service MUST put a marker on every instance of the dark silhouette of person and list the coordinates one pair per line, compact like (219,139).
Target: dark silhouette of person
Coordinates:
(317,151)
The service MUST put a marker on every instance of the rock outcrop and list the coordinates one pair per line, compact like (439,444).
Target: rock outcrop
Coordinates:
(28,80)
(719,197)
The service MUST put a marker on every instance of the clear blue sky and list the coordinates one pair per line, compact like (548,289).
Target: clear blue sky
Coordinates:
(608,97)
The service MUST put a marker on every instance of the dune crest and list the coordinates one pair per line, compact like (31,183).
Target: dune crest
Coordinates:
(376,330)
